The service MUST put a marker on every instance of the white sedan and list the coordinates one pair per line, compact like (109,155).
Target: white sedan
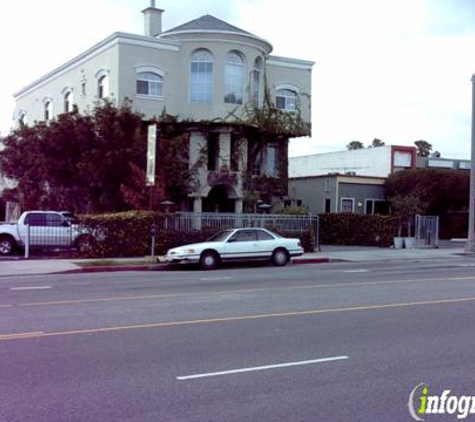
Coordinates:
(238,245)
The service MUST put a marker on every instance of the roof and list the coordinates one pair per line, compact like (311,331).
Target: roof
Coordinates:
(207,23)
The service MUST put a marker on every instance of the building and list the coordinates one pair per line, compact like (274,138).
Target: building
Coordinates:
(347,181)
(204,70)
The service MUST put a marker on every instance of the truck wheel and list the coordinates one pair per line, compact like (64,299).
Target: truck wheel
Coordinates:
(7,245)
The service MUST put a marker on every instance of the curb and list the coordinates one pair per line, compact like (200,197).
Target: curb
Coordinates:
(115,268)
(163,267)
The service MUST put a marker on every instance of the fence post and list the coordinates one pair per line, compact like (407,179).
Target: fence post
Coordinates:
(27,241)
(153,231)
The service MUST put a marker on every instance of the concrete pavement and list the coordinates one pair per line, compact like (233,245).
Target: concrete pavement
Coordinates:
(18,266)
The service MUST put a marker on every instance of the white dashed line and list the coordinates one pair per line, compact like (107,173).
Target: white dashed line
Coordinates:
(261,368)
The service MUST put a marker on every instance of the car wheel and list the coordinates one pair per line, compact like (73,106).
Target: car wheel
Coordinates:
(209,260)
(280,257)
(7,245)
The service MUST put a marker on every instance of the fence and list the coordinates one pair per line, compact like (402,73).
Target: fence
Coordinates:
(187,221)
(427,231)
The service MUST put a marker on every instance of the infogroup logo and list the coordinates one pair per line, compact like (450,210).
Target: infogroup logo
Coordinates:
(421,403)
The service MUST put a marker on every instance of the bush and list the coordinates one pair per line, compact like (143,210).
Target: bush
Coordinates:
(356,229)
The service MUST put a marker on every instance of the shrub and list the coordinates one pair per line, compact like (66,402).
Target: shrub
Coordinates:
(356,229)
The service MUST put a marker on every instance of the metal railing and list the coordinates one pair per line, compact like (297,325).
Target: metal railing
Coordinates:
(427,231)
(188,221)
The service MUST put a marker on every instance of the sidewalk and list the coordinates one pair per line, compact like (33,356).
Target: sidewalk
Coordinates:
(19,266)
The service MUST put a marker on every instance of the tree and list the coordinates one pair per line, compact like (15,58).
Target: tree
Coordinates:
(75,162)
(377,143)
(423,148)
(442,190)
(355,145)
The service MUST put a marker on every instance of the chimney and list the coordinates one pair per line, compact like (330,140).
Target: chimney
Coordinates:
(152,20)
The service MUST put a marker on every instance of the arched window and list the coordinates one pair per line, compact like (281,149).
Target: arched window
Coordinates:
(201,79)
(149,83)
(256,81)
(68,101)
(286,99)
(48,109)
(103,86)
(233,78)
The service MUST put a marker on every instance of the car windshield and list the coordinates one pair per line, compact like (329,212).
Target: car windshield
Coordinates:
(220,236)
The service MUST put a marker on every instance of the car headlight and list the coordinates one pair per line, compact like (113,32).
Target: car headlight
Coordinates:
(185,251)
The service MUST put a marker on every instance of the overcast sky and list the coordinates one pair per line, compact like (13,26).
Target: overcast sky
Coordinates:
(398,70)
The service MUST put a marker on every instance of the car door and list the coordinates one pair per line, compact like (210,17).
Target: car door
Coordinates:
(242,244)
(266,243)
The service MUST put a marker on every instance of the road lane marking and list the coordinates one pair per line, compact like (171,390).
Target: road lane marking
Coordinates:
(256,290)
(215,278)
(356,271)
(31,288)
(237,318)
(20,335)
(261,368)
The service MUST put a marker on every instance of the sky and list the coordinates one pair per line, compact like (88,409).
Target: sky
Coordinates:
(398,70)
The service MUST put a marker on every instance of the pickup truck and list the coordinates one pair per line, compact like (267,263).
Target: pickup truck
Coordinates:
(48,229)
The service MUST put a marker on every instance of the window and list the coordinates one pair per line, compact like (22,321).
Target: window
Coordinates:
(68,101)
(48,109)
(149,83)
(328,205)
(103,86)
(376,206)
(36,219)
(213,151)
(243,236)
(262,235)
(233,78)
(256,164)
(201,79)
(271,163)
(347,205)
(256,81)
(286,99)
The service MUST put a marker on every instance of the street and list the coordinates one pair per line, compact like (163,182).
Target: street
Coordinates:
(323,342)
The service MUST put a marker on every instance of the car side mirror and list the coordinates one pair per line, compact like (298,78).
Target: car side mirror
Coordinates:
(65,223)
(232,240)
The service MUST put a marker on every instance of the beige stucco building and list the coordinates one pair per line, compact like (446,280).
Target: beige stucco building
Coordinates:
(202,70)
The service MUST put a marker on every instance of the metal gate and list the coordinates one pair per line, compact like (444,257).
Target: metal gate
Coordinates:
(427,231)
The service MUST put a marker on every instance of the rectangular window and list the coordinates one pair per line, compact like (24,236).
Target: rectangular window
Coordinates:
(347,205)
(376,206)
(201,82)
(213,151)
(271,156)
(328,205)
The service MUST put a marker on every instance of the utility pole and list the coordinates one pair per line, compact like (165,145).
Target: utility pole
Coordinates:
(470,246)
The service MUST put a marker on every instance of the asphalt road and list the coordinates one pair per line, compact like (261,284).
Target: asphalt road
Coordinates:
(325,342)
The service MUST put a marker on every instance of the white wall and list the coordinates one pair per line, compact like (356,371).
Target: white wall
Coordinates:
(364,162)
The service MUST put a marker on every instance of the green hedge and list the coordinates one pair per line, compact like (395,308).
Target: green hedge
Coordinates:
(356,229)
(128,234)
